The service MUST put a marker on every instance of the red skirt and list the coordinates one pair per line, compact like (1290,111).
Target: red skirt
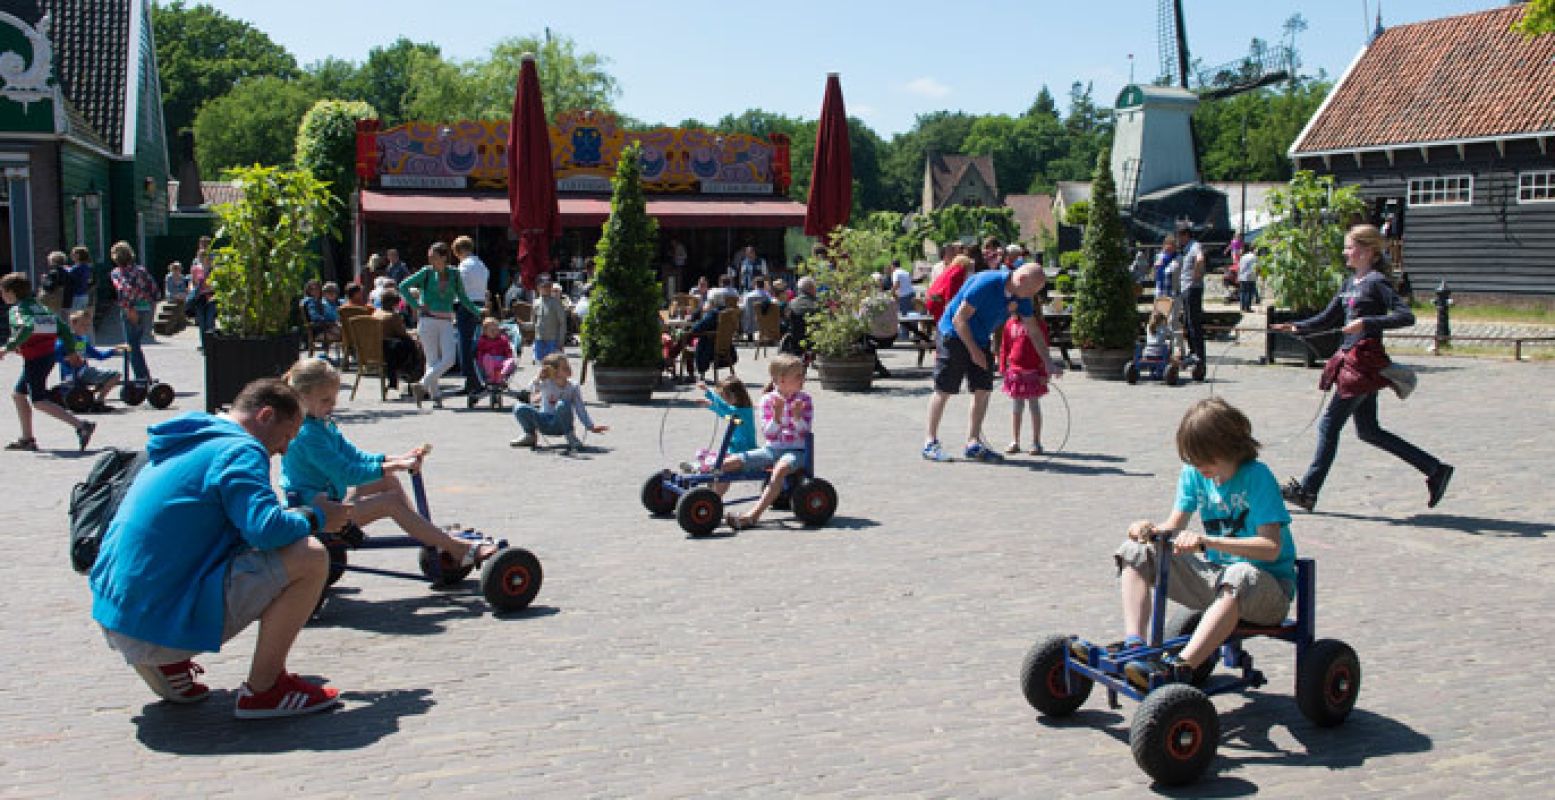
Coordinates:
(1025,384)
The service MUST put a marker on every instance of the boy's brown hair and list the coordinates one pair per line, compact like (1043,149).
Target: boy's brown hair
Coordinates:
(1213,430)
(17,284)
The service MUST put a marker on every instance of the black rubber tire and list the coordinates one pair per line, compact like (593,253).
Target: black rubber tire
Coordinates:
(79,399)
(1183,622)
(1131,373)
(446,573)
(814,501)
(161,395)
(337,564)
(699,511)
(1042,679)
(1328,681)
(511,579)
(132,394)
(659,501)
(1171,375)
(1175,734)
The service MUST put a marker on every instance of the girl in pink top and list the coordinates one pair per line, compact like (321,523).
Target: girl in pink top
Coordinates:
(785,414)
(495,353)
(1026,375)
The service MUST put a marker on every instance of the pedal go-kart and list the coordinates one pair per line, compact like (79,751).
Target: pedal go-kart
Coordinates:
(134,391)
(700,510)
(510,578)
(1176,730)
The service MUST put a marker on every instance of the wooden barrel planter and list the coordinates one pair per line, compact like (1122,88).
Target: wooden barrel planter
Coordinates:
(625,384)
(1105,364)
(847,373)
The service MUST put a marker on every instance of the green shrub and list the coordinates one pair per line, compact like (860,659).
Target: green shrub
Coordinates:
(1305,243)
(837,330)
(622,326)
(264,254)
(1104,311)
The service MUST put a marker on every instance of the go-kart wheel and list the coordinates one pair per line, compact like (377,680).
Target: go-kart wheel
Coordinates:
(1183,622)
(1170,375)
(337,563)
(496,400)
(1175,734)
(471,399)
(79,399)
(658,500)
(160,396)
(441,568)
(1131,373)
(511,579)
(133,394)
(1042,679)
(1328,680)
(699,511)
(814,501)
(1199,371)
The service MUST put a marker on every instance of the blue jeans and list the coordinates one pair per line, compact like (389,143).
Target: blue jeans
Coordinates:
(1364,409)
(557,422)
(134,333)
(1248,294)
(469,330)
(545,347)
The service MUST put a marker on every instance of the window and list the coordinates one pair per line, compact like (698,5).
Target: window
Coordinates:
(1452,190)
(1536,187)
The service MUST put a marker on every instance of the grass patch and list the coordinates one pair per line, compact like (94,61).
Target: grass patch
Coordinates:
(1488,313)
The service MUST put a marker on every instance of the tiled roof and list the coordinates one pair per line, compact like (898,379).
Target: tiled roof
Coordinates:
(91,41)
(947,171)
(1033,212)
(213,191)
(78,127)
(1463,77)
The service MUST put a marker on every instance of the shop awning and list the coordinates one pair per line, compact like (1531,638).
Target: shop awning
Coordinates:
(447,208)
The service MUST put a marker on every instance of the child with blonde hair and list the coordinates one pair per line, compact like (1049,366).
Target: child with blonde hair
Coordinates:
(786,415)
(494,352)
(554,403)
(321,459)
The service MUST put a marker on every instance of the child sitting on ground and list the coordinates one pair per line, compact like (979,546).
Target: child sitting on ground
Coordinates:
(786,416)
(101,381)
(33,331)
(1243,567)
(554,402)
(1026,371)
(733,403)
(321,459)
(494,352)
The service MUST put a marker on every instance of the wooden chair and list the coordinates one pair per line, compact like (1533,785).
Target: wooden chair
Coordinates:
(347,347)
(723,340)
(769,328)
(683,304)
(523,312)
(366,334)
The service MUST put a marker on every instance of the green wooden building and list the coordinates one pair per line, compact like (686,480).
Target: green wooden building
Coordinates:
(82,140)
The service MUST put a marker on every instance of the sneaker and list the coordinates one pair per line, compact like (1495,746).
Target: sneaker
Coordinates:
(175,682)
(1169,668)
(976,451)
(527,440)
(933,452)
(1012,448)
(1036,449)
(289,697)
(1437,484)
(84,433)
(1297,496)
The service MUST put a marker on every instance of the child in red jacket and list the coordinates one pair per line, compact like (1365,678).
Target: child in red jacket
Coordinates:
(1026,373)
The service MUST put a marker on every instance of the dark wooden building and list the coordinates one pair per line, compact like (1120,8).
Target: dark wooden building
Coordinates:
(1448,128)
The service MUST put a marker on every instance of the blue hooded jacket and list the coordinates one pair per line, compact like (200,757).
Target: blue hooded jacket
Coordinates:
(321,459)
(203,496)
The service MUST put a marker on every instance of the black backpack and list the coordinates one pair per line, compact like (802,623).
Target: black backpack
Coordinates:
(95,501)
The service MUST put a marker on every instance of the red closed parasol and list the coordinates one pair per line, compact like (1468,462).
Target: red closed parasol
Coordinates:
(831,177)
(531,183)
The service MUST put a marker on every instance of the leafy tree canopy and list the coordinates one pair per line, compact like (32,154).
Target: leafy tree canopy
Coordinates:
(1539,19)
(439,89)
(255,123)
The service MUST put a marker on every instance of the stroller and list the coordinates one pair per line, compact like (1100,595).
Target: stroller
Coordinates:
(495,385)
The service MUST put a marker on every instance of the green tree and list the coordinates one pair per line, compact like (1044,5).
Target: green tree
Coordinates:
(438,89)
(1539,19)
(326,148)
(1305,265)
(622,326)
(903,162)
(255,123)
(333,77)
(1274,118)
(1044,105)
(201,54)
(383,80)
(1104,309)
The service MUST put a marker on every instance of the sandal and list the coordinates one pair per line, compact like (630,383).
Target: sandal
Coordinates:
(472,554)
(30,444)
(738,522)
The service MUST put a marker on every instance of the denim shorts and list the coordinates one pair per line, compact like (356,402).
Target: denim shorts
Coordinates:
(254,579)
(768,457)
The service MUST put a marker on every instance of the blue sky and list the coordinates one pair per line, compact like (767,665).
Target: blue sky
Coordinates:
(706,58)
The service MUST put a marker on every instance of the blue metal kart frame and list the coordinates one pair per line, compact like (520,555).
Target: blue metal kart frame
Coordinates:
(692,499)
(678,483)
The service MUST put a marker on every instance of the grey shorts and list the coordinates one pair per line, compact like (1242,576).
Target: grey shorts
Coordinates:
(254,579)
(92,376)
(1194,582)
(768,457)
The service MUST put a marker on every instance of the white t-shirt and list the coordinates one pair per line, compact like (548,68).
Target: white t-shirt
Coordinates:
(1185,273)
(903,280)
(1247,270)
(474,273)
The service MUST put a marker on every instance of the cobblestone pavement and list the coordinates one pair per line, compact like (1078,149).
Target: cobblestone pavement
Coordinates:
(875,657)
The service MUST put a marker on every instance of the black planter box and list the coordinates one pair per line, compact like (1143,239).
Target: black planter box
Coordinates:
(1309,350)
(232,362)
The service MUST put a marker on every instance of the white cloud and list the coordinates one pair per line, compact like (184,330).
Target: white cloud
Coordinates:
(862,110)
(927,87)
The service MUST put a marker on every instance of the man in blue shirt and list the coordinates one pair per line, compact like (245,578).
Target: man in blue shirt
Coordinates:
(965,347)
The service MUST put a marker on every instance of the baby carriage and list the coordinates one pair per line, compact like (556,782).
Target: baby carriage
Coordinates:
(494,378)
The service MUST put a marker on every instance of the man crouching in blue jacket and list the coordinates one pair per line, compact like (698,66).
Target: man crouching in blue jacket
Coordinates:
(201,547)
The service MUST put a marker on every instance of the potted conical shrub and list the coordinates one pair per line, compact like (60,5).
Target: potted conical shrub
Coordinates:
(264,256)
(621,331)
(1106,319)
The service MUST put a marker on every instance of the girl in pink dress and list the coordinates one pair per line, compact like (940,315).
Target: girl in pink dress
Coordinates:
(495,353)
(1025,379)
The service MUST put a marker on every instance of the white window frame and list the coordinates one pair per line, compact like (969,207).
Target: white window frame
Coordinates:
(1432,192)
(1526,186)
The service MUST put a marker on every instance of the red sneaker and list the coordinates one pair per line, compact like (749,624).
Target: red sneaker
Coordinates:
(175,682)
(289,697)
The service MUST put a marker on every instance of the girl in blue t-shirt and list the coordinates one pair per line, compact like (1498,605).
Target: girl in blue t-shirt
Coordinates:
(1243,566)
(732,401)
